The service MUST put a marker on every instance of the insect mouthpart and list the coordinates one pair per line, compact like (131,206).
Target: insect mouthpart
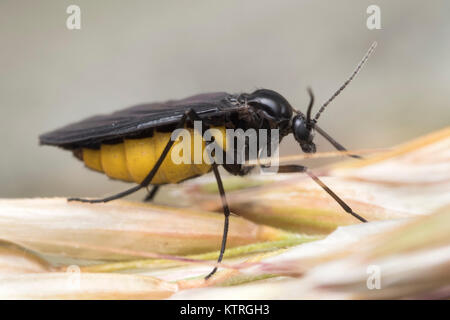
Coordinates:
(308,147)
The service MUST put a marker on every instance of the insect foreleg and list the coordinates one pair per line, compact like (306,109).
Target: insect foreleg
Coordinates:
(335,144)
(298,168)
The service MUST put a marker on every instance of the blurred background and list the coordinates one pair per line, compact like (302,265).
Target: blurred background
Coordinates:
(128,52)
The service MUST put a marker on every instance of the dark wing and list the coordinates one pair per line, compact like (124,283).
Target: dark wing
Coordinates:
(137,119)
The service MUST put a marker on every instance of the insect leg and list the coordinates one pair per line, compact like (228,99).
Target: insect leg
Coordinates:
(151,194)
(226,212)
(150,175)
(298,168)
(335,144)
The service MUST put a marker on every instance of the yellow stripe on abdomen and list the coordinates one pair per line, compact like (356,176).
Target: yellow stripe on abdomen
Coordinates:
(133,159)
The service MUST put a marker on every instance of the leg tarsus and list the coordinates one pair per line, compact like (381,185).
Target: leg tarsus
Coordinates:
(335,144)
(299,168)
(151,194)
(110,198)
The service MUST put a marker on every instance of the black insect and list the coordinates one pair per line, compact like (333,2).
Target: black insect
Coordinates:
(123,143)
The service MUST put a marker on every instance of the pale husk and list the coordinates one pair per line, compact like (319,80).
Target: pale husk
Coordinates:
(404,193)
(412,256)
(74,285)
(121,229)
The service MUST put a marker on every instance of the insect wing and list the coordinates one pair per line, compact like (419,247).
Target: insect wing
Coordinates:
(135,119)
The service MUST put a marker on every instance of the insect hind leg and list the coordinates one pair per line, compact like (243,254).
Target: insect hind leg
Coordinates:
(192,115)
(146,182)
(151,194)
(110,198)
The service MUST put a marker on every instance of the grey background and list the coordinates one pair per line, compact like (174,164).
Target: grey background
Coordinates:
(129,52)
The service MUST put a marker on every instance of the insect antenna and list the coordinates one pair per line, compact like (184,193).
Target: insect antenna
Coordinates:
(355,72)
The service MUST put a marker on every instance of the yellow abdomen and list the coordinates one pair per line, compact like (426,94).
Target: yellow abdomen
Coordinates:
(133,159)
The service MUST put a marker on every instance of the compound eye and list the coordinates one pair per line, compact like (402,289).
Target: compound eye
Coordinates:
(300,130)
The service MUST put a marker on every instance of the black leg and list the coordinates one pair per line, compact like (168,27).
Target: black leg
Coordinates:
(191,114)
(298,168)
(335,144)
(226,212)
(150,175)
(151,194)
(226,209)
